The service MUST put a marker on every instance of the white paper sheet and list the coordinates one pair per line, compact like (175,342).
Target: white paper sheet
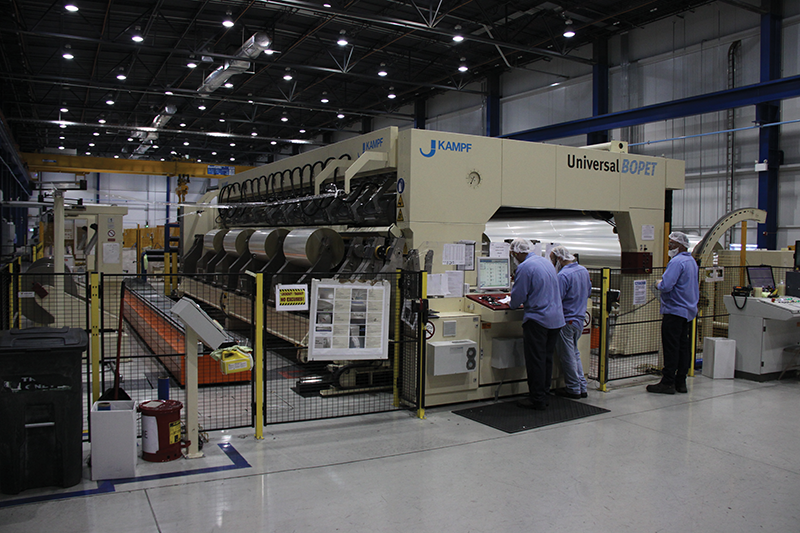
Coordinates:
(454,254)
(455,283)
(499,249)
(639,291)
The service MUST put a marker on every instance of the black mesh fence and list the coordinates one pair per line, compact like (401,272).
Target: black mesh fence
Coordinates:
(345,354)
(148,344)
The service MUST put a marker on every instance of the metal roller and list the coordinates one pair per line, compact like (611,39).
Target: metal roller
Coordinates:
(214,239)
(303,247)
(264,243)
(235,241)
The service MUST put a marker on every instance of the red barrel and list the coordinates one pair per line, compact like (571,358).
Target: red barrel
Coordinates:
(161,430)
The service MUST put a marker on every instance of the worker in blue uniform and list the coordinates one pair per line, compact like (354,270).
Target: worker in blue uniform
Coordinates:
(680,293)
(576,289)
(536,287)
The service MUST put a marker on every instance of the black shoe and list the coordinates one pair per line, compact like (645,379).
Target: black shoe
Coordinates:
(528,404)
(584,395)
(564,393)
(661,388)
(680,386)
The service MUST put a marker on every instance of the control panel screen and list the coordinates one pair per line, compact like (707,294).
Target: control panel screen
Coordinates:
(494,274)
(761,276)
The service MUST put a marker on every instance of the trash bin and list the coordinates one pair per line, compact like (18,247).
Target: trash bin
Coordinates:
(41,412)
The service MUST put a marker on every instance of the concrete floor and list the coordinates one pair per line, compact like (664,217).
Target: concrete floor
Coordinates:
(725,457)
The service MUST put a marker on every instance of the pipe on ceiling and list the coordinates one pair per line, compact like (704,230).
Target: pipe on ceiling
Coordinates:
(256,44)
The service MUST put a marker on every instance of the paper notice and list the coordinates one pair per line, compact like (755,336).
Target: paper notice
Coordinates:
(454,254)
(648,232)
(112,252)
(499,249)
(639,291)
(455,283)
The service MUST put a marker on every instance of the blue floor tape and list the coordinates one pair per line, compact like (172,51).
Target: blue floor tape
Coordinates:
(110,485)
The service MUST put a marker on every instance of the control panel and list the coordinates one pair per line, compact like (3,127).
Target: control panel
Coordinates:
(492,301)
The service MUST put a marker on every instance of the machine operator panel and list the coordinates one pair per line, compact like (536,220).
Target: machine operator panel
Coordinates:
(492,301)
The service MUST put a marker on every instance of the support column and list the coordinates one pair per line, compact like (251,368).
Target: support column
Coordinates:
(419,114)
(599,90)
(493,105)
(768,112)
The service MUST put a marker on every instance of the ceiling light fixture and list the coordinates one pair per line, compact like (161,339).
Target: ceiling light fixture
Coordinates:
(121,76)
(137,35)
(62,126)
(457,38)
(382,71)
(60,147)
(130,139)
(569,32)
(463,66)
(213,153)
(72,8)
(201,107)
(340,115)
(254,134)
(233,159)
(228,85)
(109,100)
(233,144)
(186,143)
(168,93)
(64,110)
(62,138)
(228,21)
(342,38)
(287,75)
(91,144)
(116,157)
(391,94)
(191,63)
(324,98)
(222,120)
(302,131)
(96,134)
(284,118)
(88,153)
(101,120)
(67,54)
(273,143)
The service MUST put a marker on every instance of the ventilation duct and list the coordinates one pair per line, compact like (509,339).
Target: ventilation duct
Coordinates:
(159,122)
(256,44)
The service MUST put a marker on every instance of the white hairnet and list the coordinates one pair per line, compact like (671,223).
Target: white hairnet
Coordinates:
(522,246)
(680,238)
(561,252)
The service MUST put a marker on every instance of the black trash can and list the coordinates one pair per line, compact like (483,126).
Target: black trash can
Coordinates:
(41,410)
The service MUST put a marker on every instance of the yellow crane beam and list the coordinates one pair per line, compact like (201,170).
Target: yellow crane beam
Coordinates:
(76,164)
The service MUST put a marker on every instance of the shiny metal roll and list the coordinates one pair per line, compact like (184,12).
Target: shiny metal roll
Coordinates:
(264,244)
(303,247)
(235,242)
(594,240)
(213,240)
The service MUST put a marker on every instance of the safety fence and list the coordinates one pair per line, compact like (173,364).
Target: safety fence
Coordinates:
(137,346)
(626,319)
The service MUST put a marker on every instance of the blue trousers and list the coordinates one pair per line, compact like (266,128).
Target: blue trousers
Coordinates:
(570,356)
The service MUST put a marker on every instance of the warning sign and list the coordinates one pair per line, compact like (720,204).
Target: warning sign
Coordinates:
(400,202)
(400,217)
(291,297)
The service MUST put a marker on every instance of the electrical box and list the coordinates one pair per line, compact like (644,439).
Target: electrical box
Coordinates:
(452,357)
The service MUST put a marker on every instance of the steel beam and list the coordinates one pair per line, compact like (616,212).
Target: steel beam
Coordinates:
(780,89)
(73,164)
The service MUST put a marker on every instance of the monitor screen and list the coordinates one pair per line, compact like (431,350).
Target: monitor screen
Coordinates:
(494,273)
(761,276)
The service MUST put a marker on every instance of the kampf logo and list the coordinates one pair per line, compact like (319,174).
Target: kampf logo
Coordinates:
(372,145)
(444,146)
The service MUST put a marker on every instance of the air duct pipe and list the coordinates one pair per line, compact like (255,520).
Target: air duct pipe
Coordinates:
(256,44)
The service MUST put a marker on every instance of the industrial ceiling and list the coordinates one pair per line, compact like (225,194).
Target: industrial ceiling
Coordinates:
(243,81)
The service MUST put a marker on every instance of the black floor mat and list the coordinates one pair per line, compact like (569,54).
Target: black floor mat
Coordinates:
(507,416)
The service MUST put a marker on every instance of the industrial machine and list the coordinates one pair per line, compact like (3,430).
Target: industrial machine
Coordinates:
(378,201)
